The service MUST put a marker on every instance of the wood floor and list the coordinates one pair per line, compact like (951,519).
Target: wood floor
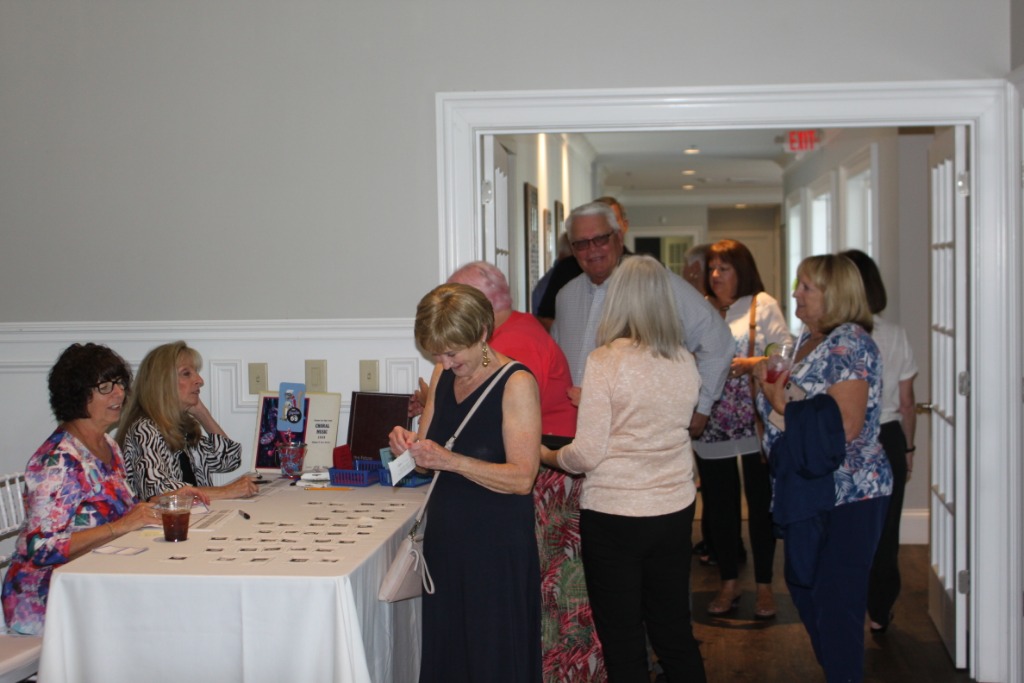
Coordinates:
(740,649)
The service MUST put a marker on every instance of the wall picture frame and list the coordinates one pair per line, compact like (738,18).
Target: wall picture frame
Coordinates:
(531,223)
(557,229)
(548,242)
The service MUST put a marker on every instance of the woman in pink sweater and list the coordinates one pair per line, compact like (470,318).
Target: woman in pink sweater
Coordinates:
(632,442)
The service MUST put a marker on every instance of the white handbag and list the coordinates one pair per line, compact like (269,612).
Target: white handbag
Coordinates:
(408,574)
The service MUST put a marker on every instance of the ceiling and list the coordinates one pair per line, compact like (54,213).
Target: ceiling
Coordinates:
(733,167)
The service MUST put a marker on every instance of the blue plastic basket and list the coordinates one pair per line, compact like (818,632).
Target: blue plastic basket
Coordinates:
(366,472)
(410,480)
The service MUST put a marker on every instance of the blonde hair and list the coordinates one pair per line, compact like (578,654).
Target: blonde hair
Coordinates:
(641,306)
(155,395)
(453,316)
(845,300)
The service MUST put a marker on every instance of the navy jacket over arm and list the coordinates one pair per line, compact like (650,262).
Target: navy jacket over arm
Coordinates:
(803,460)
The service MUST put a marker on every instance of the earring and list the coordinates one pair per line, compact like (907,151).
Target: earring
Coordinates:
(487,359)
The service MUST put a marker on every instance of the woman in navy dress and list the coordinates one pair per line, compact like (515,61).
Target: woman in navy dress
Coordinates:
(483,621)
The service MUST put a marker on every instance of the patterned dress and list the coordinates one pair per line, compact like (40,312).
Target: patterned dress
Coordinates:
(572,652)
(69,490)
(153,469)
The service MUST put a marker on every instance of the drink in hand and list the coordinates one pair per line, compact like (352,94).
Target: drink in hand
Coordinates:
(780,361)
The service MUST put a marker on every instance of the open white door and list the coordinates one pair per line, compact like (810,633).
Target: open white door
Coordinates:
(495,198)
(949,580)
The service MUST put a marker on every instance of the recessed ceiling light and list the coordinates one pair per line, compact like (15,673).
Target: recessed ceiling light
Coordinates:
(692,149)
(688,187)
(689,171)
(741,206)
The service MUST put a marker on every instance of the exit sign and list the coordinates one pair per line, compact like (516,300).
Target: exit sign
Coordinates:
(801,141)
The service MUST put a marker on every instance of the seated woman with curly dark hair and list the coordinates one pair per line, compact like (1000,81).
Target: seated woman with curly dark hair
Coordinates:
(78,494)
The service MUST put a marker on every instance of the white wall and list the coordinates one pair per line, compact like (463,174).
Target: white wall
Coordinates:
(251,159)
(911,296)
(902,257)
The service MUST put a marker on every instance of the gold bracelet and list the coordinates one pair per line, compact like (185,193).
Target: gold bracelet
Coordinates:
(110,528)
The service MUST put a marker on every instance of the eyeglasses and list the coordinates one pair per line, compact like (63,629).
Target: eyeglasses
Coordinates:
(599,241)
(108,386)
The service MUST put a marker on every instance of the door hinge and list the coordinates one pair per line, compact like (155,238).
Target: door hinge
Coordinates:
(486,192)
(963,183)
(963,384)
(963,582)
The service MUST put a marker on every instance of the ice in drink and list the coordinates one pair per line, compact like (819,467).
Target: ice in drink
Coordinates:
(175,525)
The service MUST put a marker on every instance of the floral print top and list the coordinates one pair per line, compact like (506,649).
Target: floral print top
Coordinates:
(848,353)
(730,430)
(69,489)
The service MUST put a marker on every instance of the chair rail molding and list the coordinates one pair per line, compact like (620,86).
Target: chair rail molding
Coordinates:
(28,351)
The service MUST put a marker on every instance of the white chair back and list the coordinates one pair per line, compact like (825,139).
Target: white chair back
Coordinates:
(12,504)
(19,655)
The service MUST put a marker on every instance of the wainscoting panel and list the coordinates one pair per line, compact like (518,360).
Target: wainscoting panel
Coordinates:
(28,351)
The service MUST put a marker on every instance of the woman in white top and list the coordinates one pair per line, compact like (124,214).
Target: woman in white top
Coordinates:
(640,388)
(735,288)
(899,422)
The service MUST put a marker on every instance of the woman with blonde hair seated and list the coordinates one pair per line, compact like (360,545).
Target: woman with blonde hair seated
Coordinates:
(162,428)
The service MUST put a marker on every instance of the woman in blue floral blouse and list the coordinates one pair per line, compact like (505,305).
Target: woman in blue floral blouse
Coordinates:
(837,356)
(78,497)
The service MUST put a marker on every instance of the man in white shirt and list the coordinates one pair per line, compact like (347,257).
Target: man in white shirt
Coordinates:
(596,241)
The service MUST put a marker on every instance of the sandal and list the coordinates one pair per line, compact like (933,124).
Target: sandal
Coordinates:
(879,629)
(765,608)
(723,604)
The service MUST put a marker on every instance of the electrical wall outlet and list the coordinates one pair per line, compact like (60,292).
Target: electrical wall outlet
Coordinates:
(368,377)
(258,378)
(316,375)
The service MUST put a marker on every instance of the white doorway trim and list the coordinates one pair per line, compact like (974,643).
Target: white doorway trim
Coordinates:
(987,107)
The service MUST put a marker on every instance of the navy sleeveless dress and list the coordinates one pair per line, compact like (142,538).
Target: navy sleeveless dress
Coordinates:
(483,621)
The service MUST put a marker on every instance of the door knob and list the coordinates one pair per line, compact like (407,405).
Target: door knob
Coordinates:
(923,408)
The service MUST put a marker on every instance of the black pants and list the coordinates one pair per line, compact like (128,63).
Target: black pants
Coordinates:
(720,487)
(638,581)
(884,584)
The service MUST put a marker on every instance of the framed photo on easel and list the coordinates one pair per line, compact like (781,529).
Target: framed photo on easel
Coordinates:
(319,431)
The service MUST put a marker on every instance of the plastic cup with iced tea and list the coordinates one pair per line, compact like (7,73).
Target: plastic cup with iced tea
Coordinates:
(779,362)
(175,511)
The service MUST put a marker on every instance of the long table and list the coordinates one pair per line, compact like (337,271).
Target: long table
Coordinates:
(289,594)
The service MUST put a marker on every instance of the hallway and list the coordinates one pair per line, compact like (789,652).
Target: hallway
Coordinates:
(739,649)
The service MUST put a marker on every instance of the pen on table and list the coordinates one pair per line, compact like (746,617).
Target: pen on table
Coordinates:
(245,515)
(327,488)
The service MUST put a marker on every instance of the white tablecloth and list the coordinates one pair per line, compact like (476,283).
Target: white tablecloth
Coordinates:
(288,595)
